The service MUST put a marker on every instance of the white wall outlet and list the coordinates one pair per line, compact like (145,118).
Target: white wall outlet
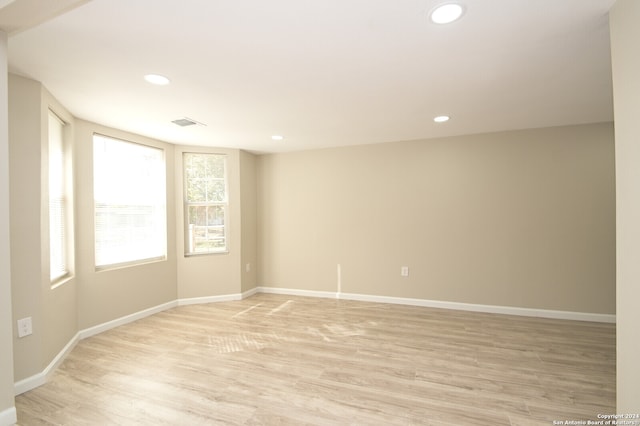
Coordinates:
(404,271)
(25,327)
(247,267)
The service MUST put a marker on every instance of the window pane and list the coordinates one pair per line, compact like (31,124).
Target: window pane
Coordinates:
(206,215)
(197,190)
(216,165)
(206,231)
(216,190)
(130,202)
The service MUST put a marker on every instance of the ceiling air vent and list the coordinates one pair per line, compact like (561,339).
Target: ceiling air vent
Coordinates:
(184,122)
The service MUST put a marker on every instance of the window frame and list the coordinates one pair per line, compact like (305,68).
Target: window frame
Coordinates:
(188,252)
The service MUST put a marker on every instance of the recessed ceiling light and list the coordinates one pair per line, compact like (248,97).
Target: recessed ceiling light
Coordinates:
(156,79)
(441,118)
(277,137)
(446,13)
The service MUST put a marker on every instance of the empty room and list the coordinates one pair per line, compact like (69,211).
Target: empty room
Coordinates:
(364,212)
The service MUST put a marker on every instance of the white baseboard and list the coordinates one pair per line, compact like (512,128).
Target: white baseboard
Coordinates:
(296,292)
(100,328)
(220,298)
(249,293)
(493,309)
(29,383)
(209,299)
(8,417)
(41,378)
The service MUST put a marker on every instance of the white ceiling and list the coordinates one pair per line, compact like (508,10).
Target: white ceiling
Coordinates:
(321,72)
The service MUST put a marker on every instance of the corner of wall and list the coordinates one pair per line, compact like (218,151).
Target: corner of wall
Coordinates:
(249,221)
(625,33)
(8,414)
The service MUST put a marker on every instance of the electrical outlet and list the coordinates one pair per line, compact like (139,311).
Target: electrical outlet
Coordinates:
(25,327)
(404,271)
(248,267)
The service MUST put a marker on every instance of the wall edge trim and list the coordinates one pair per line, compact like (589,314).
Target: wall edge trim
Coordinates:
(97,329)
(297,292)
(208,299)
(249,293)
(29,383)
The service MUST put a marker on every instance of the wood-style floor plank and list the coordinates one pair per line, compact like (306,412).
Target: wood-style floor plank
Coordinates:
(285,360)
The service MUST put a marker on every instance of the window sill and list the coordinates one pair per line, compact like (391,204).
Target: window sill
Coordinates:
(215,253)
(59,282)
(130,264)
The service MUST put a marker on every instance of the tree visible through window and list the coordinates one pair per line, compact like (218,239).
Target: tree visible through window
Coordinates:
(205,203)
(129,185)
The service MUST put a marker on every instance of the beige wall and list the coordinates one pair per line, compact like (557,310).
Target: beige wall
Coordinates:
(625,33)
(7,408)
(25,156)
(523,219)
(113,293)
(248,204)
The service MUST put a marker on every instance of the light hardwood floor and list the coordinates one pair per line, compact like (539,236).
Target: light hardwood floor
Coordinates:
(280,360)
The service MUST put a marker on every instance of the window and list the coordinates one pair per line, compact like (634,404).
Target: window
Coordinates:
(58,200)
(205,203)
(129,187)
